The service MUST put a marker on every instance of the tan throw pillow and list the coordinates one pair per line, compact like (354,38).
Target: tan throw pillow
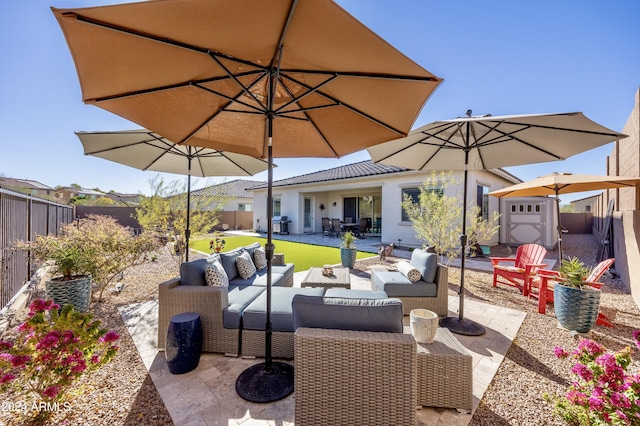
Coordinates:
(215,275)
(260,258)
(409,271)
(245,265)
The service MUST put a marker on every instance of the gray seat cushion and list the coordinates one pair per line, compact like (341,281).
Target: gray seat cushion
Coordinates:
(239,298)
(192,273)
(355,294)
(426,263)
(255,315)
(348,314)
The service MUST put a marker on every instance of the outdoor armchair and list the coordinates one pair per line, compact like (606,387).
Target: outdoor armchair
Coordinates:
(519,270)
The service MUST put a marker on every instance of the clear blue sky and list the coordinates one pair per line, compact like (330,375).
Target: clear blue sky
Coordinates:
(497,57)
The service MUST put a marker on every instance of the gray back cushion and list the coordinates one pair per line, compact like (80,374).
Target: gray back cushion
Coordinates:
(347,314)
(228,260)
(426,263)
(192,273)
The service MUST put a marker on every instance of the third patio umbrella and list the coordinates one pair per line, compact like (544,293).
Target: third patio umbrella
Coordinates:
(488,142)
(146,150)
(287,78)
(564,183)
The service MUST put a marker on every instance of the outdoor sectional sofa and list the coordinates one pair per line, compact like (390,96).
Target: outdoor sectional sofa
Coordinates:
(220,308)
(430,291)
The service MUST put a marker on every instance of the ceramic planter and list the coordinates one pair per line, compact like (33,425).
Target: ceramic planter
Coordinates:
(576,309)
(76,292)
(348,257)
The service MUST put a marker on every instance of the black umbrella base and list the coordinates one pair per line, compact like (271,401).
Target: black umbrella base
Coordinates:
(255,384)
(463,326)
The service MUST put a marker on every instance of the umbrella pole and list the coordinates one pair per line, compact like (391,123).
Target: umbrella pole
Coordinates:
(187,231)
(461,325)
(559,226)
(268,381)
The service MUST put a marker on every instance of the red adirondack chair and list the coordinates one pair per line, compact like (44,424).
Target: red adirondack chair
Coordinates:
(541,287)
(521,269)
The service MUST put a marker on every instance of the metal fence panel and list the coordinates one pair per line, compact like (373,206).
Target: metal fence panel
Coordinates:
(21,218)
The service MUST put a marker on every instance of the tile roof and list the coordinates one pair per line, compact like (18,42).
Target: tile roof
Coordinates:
(349,171)
(236,188)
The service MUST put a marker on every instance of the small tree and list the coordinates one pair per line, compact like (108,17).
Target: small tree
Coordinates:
(437,218)
(165,211)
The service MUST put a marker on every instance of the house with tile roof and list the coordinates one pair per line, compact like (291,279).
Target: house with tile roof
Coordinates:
(367,190)
(26,186)
(237,212)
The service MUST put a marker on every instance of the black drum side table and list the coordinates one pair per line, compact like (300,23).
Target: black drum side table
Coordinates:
(184,342)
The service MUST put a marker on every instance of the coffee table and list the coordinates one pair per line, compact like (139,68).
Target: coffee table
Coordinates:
(339,279)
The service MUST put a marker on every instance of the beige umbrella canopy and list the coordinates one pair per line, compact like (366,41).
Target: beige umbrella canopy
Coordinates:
(564,183)
(489,142)
(145,150)
(209,71)
(286,78)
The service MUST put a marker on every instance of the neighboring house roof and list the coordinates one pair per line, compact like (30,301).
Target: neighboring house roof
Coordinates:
(24,183)
(591,197)
(357,170)
(238,188)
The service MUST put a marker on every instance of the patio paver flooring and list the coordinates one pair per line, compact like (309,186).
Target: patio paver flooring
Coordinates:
(207,396)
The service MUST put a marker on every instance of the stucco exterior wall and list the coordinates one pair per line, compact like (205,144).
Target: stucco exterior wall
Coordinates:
(389,187)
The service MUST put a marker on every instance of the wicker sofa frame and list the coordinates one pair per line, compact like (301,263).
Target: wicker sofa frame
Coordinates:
(438,304)
(354,377)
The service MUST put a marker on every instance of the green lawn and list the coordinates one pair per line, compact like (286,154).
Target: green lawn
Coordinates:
(303,256)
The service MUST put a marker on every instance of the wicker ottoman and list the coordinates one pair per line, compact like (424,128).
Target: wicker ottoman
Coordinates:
(445,377)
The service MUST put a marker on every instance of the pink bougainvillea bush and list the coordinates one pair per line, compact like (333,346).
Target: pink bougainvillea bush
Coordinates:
(52,349)
(604,391)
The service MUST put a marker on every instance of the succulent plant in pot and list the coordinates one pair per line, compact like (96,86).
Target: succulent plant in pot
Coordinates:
(348,250)
(576,303)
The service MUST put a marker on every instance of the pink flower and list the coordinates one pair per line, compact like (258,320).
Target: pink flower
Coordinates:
(111,336)
(51,391)
(590,347)
(6,378)
(4,345)
(49,341)
(576,397)
(20,360)
(595,403)
(95,359)
(560,352)
(582,371)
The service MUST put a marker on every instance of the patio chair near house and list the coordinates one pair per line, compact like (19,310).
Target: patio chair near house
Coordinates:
(518,271)
(362,228)
(326,227)
(541,287)
(335,227)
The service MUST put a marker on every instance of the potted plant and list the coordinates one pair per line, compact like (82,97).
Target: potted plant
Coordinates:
(72,267)
(576,302)
(348,250)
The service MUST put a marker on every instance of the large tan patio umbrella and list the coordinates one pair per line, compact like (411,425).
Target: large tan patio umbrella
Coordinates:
(488,142)
(146,150)
(564,183)
(283,78)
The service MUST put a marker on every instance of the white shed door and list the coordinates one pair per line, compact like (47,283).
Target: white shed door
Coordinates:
(526,222)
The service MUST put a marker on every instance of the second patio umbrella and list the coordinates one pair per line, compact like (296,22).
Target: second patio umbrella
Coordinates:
(564,183)
(145,150)
(294,78)
(487,142)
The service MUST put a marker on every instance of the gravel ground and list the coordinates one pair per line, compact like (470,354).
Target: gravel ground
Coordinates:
(122,393)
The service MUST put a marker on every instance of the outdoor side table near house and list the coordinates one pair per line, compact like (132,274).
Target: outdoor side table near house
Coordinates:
(340,278)
(184,342)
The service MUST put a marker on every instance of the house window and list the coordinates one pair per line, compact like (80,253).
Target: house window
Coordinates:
(276,207)
(245,207)
(483,201)
(414,194)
